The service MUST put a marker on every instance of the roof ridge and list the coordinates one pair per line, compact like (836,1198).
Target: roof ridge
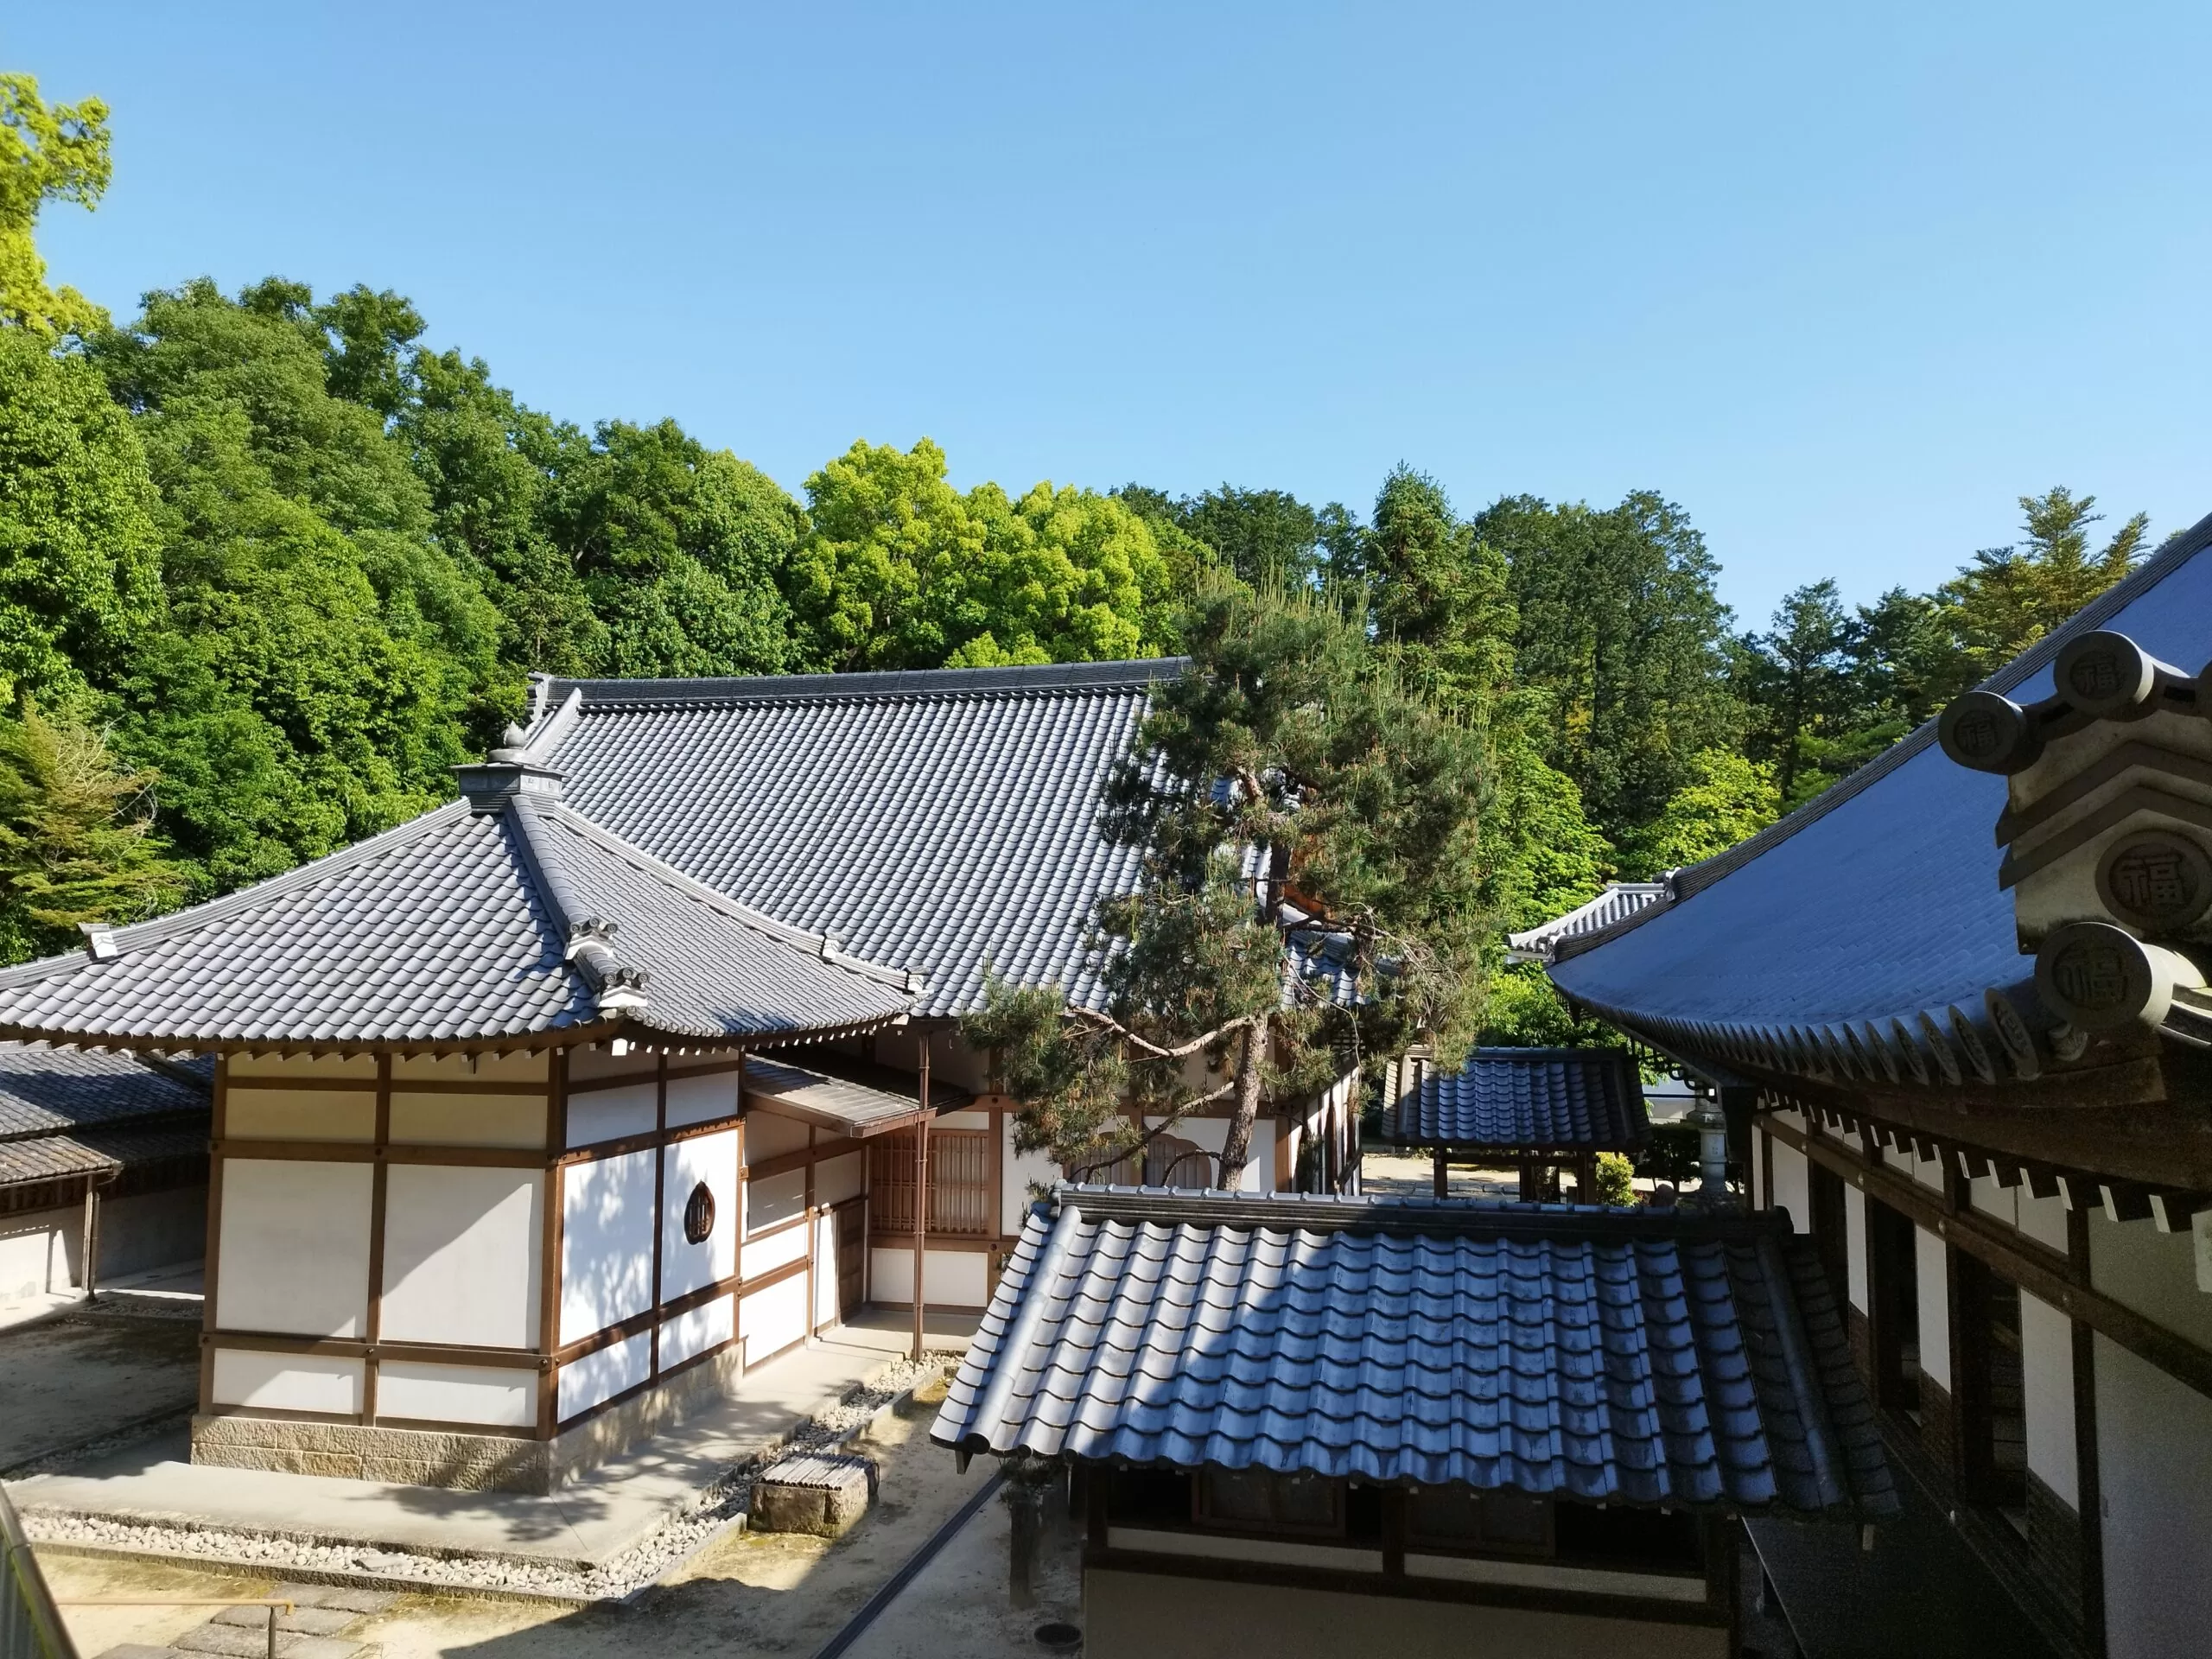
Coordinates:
(1411,1214)
(603,695)
(156,930)
(2176,551)
(691,888)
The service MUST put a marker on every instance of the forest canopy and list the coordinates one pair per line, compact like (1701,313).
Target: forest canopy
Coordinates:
(272,562)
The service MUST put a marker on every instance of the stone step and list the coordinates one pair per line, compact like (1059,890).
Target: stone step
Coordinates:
(139,1650)
(300,1621)
(242,1643)
(345,1596)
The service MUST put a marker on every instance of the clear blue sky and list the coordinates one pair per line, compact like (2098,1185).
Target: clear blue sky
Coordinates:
(1843,284)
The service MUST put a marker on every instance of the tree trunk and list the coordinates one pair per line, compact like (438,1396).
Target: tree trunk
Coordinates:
(1236,1147)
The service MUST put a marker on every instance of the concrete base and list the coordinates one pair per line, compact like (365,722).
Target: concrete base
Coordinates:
(812,1493)
(453,1458)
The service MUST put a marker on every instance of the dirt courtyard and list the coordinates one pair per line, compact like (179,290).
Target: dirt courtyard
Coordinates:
(67,1381)
(745,1593)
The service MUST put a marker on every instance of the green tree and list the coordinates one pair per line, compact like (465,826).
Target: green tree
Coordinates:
(1725,798)
(901,570)
(1291,747)
(79,565)
(1622,636)
(76,841)
(1267,537)
(57,153)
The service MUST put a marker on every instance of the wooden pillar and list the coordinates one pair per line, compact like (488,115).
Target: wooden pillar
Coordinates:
(89,1246)
(921,1195)
(1443,1175)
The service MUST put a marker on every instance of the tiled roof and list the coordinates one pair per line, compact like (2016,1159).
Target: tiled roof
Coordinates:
(1878,900)
(935,821)
(57,1157)
(1607,1356)
(1619,901)
(54,1091)
(1563,1099)
(468,924)
(839,1103)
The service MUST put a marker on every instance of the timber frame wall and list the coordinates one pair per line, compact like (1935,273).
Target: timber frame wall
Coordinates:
(543,1358)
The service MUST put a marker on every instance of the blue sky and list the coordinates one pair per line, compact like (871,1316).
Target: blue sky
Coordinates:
(1842,284)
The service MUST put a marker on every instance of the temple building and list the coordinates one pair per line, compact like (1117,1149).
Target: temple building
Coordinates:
(1539,1110)
(1955,1012)
(537,1119)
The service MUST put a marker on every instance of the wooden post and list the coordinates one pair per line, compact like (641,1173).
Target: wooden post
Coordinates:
(90,1245)
(921,1195)
(1443,1175)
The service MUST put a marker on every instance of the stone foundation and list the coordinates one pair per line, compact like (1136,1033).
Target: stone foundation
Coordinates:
(455,1459)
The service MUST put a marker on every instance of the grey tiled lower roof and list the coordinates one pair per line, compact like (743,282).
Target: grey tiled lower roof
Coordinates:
(831,1102)
(1605,1355)
(1878,900)
(53,1090)
(89,1152)
(1535,1099)
(468,925)
(933,821)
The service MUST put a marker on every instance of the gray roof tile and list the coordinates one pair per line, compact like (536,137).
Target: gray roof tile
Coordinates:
(1606,1355)
(1562,1099)
(935,821)
(54,1091)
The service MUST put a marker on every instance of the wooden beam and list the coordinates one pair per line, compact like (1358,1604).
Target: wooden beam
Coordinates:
(379,1181)
(921,1195)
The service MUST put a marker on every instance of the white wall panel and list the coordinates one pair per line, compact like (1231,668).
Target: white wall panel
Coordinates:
(685,1266)
(2154,1467)
(1792,1187)
(770,1135)
(287,1381)
(1935,1307)
(2044,1219)
(2047,1377)
(2151,1272)
(295,1248)
(461,1255)
(469,1068)
(696,1330)
(836,1179)
(456,1393)
(949,1278)
(585,1382)
(778,1198)
(299,1114)
(607,1242)
(773,1318)
(427,1120)
(1854,1233)
(776,1250)
(1018,1170)
(696,1100)
(596,1115)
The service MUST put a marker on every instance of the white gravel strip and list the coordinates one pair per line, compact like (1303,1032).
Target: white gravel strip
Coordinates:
(720,1504)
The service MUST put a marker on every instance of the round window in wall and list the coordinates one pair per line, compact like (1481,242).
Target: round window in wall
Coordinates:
(699,1214)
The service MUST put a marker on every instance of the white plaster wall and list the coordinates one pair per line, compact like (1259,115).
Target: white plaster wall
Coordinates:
(825,1269)
(773,1319)
(2154,1466)
(696,1100)
(299,1114)
(949,1278)
(584,1383)
(295,1243)
(1928,1172)
(287,1381)
(503,1398)
(1854,1233)
(1213,1135)
(778,1198)
(685,1266)
(607,1242)
(2042,1219)
(469,1068)
(362,1066)
(598,1060)
(836,1179)
(765,1255)
(1935,1307)
(769,1134)
(596,1115)
(462,1249)
(30,1258)
(2151,1272)
(1018,1170)
(962,1121)
(2047,1375)
(696,1330)
(41,1250)
(1792,1187)
(427,1120)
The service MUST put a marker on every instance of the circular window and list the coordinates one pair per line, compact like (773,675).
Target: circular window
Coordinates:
(699,1214)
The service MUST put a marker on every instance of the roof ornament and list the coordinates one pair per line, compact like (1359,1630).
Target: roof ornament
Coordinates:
(2107,839)
(99,941)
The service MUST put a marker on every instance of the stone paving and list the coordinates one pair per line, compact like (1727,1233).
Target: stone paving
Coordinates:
(314,1629)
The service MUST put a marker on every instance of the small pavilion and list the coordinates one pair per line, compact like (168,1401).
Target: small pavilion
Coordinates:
(1539,1109)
